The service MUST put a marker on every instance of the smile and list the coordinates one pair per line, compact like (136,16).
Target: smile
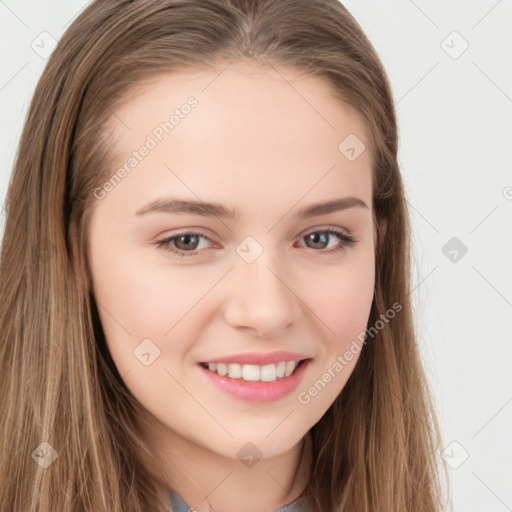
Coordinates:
(256,383)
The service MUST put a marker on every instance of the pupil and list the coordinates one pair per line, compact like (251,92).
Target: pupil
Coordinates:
(187,241)
(315,236)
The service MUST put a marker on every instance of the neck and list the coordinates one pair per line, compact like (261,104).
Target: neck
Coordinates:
(207,481)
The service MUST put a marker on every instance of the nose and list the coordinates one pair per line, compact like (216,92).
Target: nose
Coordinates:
(262,298)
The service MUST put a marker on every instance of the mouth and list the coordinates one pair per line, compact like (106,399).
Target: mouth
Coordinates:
(253,383)
(255,373)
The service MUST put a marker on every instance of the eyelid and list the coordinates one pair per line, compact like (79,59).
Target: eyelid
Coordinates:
(202,231)
(324,227)
(345,236)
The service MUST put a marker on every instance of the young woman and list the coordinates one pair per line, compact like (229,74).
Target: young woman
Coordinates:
(205,271)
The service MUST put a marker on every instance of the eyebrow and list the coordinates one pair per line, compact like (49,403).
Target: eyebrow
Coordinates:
(217,210)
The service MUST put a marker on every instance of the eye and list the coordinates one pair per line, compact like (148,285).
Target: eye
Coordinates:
(182,244)
(188,243)
(321,237)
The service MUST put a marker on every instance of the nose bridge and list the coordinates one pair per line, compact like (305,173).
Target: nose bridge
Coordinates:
(261,298)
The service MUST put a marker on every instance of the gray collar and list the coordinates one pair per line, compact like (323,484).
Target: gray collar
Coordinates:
(178,505)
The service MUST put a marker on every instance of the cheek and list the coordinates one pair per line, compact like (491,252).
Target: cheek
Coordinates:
(151,316)
(137,302)
(341,298)
(342,302)
(144,298)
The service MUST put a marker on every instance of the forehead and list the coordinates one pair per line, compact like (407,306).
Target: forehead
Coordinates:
(279,95)
(259,130)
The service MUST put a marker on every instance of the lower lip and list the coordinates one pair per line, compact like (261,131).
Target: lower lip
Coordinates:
(258,391)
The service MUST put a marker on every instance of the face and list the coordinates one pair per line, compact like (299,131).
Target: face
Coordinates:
(261,274)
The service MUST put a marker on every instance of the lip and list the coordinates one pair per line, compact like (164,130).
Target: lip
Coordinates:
(259,359)
(258,391)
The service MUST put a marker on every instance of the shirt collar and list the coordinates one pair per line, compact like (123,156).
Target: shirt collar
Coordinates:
(178,505)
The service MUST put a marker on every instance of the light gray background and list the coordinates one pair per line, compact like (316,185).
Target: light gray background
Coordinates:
(455,124)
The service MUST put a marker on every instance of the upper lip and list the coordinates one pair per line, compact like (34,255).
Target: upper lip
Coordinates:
(258,358)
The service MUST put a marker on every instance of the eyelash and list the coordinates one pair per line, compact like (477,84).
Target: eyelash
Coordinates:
(347,241)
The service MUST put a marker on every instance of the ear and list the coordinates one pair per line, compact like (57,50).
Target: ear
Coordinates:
(75,254)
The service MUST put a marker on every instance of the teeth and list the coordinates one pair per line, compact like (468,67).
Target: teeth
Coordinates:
(252,372)
(268,373)
(234,371)
(290,366)
(222,369)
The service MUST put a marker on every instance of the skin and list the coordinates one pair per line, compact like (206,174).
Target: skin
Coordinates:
(267,149)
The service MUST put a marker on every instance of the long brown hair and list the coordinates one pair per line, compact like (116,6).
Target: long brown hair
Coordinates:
(375,449)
